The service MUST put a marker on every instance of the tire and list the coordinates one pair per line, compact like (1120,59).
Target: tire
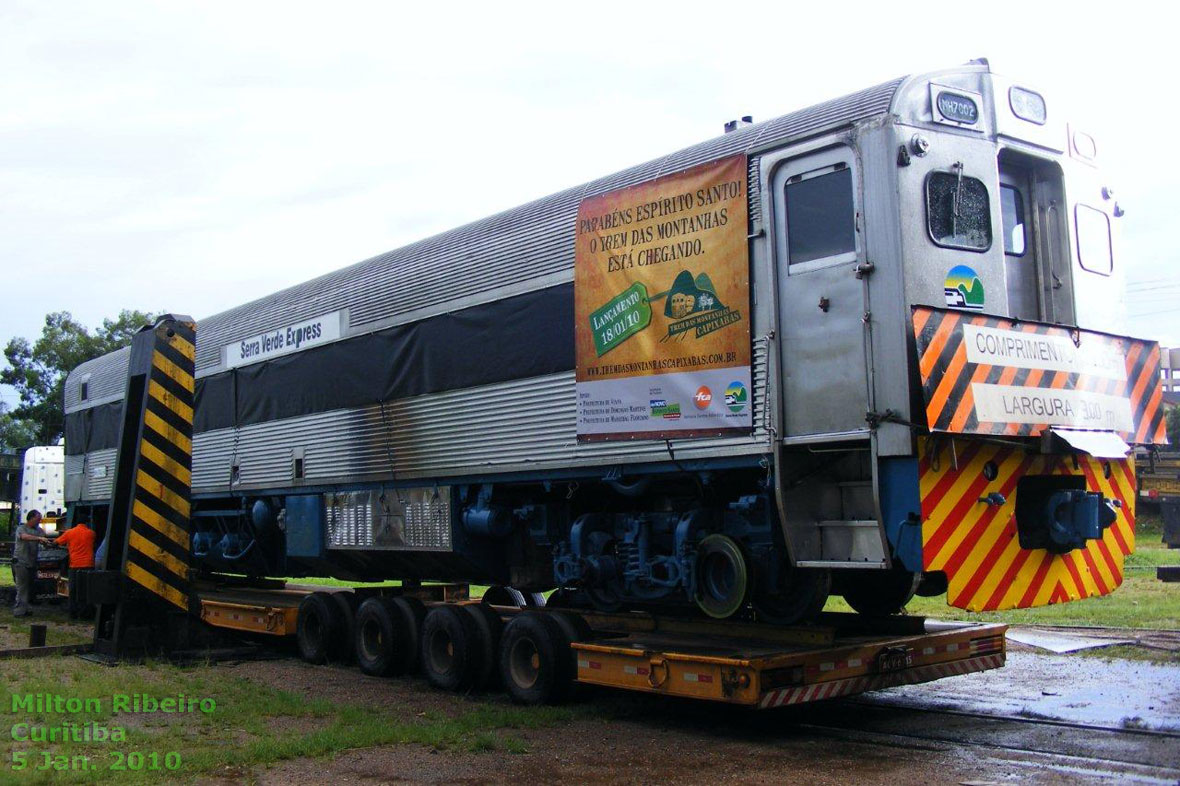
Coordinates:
(317,628)
(574,626)
(797,596)
(499,595)
(536,664)
(383,638)
(574,629)
(881,593)
(450,649)
(489,629)
(343,647)
(414,614)
(723,578)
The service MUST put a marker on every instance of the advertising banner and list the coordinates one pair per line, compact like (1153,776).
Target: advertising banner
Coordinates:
(662,307)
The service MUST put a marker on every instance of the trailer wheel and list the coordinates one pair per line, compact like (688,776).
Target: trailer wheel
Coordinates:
(489,630)
(383,638)
(499,595)
(342,649)
(880,593)
(575,629)
(317,627)
(536,663)
(723,580)
(414,614)
(450,649)
(798,595)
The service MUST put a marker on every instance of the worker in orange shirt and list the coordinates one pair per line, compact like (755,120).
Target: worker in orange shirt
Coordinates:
(79,540)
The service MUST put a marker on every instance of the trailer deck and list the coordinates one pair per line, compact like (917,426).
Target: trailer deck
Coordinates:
(760,669)
(749,664)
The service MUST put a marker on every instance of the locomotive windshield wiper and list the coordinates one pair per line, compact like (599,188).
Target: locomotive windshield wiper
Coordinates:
(957,199)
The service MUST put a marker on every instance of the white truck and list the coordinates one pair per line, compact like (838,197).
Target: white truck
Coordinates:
(43,480)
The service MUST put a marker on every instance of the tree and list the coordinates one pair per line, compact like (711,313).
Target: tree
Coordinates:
(1173,421)
(15,434)
(38,371)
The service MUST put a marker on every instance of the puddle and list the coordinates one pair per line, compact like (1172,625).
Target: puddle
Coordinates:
(1115,693)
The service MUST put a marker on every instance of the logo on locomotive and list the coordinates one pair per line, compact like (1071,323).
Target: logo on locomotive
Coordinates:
(963,289)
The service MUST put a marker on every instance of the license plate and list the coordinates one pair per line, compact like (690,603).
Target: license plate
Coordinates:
(895,660)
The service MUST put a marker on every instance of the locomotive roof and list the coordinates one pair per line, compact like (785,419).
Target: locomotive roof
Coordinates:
(481,260)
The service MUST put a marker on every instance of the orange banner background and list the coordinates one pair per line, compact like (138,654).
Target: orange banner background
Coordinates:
(694,221)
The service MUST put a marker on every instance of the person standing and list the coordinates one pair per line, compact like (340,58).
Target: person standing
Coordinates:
(79,539)
(24,561)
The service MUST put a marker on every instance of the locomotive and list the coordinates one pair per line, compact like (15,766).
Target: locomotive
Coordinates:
(871,348)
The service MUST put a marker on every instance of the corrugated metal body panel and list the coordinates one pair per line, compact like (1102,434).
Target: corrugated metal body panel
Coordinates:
(98,470)
(107,381)
(459,431)
(522,425)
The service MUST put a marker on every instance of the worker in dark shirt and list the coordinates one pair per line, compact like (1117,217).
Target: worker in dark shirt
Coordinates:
(29,536)
(79,540)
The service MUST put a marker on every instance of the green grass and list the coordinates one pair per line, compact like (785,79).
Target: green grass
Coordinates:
(252,724)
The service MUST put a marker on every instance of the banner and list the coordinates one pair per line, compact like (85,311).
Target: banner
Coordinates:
(662,307)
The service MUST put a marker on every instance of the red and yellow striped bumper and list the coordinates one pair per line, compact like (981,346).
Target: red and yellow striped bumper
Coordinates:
(976,543)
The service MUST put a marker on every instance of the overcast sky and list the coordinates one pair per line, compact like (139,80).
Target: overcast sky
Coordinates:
(193,156)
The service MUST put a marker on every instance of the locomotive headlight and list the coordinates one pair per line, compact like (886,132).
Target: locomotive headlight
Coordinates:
(1027,105)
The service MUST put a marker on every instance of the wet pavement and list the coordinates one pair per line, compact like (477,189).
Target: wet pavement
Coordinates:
(1112,693)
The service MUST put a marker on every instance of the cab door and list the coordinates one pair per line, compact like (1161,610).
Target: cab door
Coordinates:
(1021,266)
(819,244)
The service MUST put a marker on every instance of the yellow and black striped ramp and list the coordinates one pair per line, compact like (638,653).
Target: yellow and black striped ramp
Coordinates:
(158,534)
(983,374)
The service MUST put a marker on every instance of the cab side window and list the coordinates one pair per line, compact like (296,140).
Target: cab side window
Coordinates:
(1093,230)
(821,215)
(1012,213)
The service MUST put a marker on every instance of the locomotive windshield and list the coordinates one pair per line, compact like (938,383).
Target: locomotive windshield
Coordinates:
(958,211)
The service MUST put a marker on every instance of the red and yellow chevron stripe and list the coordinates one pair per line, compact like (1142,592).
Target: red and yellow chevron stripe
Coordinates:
(976,543)
(984,374)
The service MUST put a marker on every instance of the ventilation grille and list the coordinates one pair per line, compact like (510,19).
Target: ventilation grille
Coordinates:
(399,519)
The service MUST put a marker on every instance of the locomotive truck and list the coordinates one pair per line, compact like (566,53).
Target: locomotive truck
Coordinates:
(869,348)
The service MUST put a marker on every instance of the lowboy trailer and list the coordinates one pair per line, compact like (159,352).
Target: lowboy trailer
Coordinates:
(548,649)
